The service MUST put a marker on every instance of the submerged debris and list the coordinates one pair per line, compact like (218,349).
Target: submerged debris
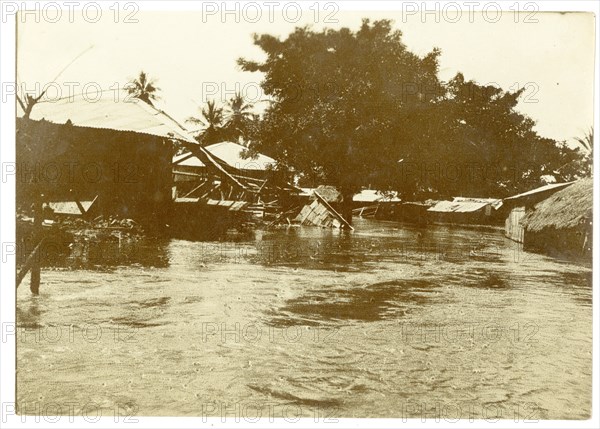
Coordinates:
(320,213)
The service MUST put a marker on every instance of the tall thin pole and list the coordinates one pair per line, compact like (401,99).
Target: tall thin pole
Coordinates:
(37,236)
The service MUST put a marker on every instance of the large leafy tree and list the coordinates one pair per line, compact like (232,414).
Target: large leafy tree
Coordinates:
(478,144)
(338,98)
(357,109)
(143,88)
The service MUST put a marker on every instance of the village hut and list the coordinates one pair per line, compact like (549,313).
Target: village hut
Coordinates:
(462,210)
(520,204)
(561,225)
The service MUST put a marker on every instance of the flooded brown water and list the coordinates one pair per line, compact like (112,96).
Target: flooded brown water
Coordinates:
(386,321)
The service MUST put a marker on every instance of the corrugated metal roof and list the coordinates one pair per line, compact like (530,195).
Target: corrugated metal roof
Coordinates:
(465,205)
(188,160)
(549,187)
(494,202)
(228,152)
(231,154)
(122,113)
(457,207)
(371,196)
(70,207)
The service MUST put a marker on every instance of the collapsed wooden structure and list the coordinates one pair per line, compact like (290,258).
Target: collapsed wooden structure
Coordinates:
(118,154)
(321,211)
(221,167)
(218,188)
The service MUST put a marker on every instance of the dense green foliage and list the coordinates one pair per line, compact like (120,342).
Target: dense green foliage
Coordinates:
(357,109)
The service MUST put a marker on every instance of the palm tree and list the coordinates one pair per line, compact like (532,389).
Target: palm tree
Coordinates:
(143,88)
(586,143)
(239,117)
(212,119)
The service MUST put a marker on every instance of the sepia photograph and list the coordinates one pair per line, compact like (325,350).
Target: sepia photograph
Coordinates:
(297,214)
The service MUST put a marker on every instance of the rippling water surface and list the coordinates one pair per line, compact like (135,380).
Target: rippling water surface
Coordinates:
(386,321)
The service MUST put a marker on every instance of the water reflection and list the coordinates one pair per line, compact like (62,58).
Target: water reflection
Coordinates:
(29,314)
(367,304)
(106,254)
(353,324)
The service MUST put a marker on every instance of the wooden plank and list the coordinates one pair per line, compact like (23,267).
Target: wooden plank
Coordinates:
(185,173)
(28,263)
(338,216)
(197,188)
(207,158)
(185,158)
(237,206)
(186,200)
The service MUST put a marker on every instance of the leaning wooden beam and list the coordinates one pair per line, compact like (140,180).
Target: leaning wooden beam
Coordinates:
(80,206)
(197,188)
(31,259)
(331,210)
(262,186)
(250,179)
(185,173)
(214,188)
(185,158)
(206,157)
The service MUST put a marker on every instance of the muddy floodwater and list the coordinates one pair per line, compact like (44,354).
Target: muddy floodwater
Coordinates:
(386,321)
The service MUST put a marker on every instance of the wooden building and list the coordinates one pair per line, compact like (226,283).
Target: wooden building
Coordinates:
(115,151)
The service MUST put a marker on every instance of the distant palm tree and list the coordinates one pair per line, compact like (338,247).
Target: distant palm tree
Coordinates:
(587,141)
(239,117)
(212,119)
(143,88)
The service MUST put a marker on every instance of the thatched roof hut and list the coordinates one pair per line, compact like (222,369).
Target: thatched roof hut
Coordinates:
(566,209)
(562,224)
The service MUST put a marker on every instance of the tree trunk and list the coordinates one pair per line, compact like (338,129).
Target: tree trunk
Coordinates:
(34,284)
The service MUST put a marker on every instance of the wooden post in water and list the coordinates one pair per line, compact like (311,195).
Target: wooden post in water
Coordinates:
(38,214)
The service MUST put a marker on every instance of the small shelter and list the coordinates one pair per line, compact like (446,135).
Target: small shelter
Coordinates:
(521,203)
(463,210)
(562,224)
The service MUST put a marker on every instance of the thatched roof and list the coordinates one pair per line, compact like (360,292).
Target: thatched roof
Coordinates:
(566,209)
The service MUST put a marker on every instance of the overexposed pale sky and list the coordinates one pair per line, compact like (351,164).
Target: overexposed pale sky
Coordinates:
(193,56)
